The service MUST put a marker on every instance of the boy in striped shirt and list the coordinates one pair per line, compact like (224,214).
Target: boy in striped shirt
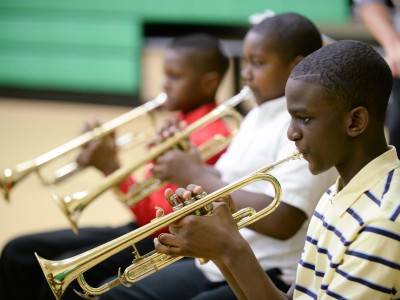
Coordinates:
(337,98)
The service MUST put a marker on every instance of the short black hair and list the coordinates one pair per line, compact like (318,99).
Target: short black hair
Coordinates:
(208,51)
(290,35)
(353,71)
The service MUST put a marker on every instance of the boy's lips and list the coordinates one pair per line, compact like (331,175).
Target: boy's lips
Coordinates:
(303,152)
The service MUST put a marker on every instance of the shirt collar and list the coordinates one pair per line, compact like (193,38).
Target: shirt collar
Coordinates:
(197,113)
(368,176)
(273,106)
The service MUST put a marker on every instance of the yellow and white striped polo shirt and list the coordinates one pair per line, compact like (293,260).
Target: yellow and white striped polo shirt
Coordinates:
(352,249)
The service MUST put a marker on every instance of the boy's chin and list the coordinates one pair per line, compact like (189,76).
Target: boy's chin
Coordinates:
(313,168)
(316,170)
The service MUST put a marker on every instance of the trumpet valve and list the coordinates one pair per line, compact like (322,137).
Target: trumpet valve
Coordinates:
(135,252)
(146,265)
(173,200)
(177,204)
(202,211)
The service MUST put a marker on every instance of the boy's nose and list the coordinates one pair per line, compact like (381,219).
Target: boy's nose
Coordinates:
(165,85)
(293,134)
(245,73)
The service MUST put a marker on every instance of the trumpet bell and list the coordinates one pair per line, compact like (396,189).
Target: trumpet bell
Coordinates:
(58,283)
(71,207)
(10,177)
(5,187)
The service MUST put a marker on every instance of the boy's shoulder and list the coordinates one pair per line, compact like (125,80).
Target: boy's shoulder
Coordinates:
(390,205)
(384,198)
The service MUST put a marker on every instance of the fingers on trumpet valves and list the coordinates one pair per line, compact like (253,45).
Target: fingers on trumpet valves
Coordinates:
(195,189)
(183,197)
(167,130)
(172,127)
(156,140)
(175,123)
(197,194)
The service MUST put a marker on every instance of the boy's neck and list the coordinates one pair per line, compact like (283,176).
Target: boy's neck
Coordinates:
(261,102)
(360,157)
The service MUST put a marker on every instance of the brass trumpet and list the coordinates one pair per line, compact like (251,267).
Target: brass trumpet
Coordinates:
(59,274)
(9,177)
(73,205)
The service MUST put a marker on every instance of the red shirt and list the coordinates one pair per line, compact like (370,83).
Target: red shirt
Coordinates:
(144,211)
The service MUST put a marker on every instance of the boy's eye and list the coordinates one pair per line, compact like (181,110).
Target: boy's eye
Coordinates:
(305,120)
(256,63)
(173,76)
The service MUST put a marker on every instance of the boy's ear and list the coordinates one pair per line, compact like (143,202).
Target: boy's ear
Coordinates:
(210,82)
(358,121)
(296,60)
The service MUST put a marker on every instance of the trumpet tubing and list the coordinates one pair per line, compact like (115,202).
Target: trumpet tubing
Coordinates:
(73,167)
(151,184)
(9,177)
(60,274)
(73,205)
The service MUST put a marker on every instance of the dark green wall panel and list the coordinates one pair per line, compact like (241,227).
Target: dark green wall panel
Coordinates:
(96,45)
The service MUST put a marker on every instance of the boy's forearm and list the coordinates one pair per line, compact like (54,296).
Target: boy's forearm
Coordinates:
(246,276)
(211,170)
(208,178)
(231,281)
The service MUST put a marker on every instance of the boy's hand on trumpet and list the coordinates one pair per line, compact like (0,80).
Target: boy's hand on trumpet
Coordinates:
(100,153)
(209,237)
(169,128)
(179,164)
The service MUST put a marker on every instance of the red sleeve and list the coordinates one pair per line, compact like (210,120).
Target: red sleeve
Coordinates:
(145,210)
(126,184)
